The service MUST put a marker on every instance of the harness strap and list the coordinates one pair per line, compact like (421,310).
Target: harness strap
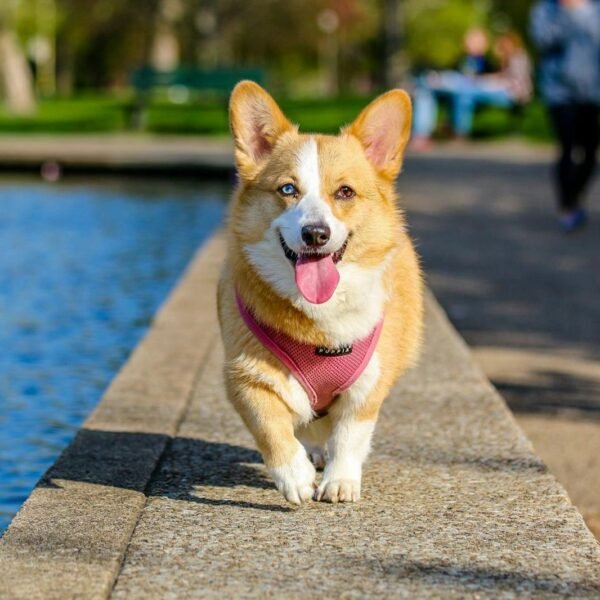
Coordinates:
(324,373)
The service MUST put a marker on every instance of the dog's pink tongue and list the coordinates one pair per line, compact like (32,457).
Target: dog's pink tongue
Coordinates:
(316,277)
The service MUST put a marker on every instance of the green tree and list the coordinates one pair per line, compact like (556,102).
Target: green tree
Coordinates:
(100,41)
(512,14)
(435,29)
(286,38)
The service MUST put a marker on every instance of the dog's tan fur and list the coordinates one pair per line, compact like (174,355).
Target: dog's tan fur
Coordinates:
(266,148)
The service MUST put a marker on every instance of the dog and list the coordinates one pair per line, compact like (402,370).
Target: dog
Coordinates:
(320,298)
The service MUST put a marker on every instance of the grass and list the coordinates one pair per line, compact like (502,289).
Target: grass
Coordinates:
(208,116)
(74,115)
(530,122)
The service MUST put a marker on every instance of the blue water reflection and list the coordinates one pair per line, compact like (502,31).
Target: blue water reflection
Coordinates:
(83,267)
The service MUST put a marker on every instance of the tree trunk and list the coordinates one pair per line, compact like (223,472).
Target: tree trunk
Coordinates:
(15,74)
(164,55)
(393,65)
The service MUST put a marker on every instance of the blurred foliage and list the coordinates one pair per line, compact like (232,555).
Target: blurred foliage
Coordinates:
(511,14)
(530,122)
(307,48)
(98,43)
(205,117)
(435,29)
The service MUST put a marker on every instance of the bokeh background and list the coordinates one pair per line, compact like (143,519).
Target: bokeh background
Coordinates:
(72,64)
(114,78)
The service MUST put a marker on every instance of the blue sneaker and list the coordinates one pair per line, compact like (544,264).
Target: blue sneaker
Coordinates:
(572,221)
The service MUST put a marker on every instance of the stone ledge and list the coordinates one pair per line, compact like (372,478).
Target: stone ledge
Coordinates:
(160,154)
(118,153)
(162,494)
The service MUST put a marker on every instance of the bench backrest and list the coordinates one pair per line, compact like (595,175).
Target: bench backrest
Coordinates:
(220,81)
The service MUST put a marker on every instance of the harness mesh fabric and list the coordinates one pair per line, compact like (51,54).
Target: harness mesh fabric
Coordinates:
(322,377)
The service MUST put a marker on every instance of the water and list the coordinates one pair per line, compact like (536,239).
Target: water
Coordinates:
(83,268)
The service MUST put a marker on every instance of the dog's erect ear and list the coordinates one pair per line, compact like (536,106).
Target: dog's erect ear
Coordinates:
(383,129)
(256,123)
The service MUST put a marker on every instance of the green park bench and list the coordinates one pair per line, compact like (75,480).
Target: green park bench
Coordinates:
(184,83)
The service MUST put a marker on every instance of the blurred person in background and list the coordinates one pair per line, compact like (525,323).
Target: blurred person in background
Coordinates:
(567,33)
(473,85)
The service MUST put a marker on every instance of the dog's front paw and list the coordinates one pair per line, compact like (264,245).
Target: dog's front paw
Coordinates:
(338,490)
(296,480)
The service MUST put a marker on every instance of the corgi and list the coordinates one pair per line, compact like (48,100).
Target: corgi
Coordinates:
(320,298)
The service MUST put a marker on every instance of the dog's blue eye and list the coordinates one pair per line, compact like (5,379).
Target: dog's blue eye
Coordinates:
(288,189)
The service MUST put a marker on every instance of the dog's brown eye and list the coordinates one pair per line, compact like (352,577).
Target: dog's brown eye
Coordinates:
(345,193)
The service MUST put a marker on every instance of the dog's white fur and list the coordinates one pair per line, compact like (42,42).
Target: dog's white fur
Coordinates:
(352,313)
(311,208)
(347,449)
(357,305)
(296,479)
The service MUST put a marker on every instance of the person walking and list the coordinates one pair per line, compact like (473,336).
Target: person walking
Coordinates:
(567,34)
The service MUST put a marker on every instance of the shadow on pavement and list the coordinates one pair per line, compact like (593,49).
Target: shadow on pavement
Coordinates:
(190,469)
(552,392)
(507,277)
(187,466)
(448,575)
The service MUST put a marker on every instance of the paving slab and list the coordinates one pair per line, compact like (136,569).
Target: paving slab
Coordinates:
(523,295)
(570,446)
(455,504)
(162,494)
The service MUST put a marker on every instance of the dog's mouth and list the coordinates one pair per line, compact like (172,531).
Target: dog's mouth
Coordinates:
(293,256)
(316,273)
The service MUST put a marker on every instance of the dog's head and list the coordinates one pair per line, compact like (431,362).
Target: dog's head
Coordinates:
(311,206)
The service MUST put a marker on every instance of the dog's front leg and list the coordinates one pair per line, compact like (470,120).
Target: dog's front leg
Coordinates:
(353,419)
(347,448)
(272,425)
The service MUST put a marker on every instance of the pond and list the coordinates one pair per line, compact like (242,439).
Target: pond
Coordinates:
(83,268)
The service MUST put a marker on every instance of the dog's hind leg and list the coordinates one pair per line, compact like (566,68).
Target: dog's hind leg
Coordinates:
(314,436)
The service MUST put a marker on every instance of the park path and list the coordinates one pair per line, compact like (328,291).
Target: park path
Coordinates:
(525,297)
(162,494)
(446,453)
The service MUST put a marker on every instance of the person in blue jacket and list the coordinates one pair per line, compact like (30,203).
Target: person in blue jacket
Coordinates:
(567,34)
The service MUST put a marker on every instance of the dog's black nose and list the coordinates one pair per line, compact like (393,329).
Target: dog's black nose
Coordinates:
(316,235)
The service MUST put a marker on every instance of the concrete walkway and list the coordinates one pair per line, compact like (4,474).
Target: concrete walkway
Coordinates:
(162,494)
(524,296)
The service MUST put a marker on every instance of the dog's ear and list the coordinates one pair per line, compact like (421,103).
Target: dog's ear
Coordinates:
(256,123)
(383,129)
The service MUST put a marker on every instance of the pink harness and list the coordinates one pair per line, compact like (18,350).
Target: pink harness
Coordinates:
(323,372)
